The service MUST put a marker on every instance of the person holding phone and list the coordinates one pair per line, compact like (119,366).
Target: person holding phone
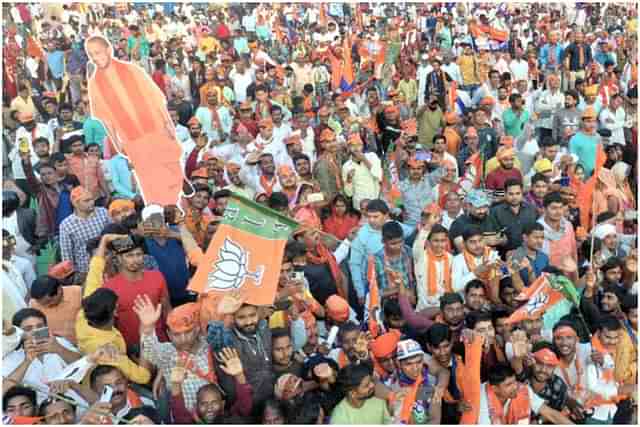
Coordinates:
(362,173)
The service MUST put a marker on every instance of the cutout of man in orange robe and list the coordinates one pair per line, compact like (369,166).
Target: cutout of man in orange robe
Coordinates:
(134,112)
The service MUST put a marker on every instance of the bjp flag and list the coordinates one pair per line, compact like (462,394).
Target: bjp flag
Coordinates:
(540,296)
(245,254)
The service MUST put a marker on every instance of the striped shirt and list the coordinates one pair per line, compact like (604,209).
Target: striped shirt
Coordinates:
(75,232)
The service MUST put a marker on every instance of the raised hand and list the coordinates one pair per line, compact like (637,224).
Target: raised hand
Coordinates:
(147,313)
(230,303)
(107,353)
(230,362)
(61,386)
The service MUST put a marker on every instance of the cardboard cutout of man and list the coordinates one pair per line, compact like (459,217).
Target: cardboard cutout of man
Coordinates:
(134,112)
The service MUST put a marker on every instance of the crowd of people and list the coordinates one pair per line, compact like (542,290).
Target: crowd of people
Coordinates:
(441,160)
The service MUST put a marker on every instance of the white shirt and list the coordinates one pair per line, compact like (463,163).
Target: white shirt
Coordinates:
(570,375)
(460,273)
(275,147)
(41,130)
(546,105)
(366,181)
(240,83)
(614,121)
(25,268)
(519,69)
(596,384)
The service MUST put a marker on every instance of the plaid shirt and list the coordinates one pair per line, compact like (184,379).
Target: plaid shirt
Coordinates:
(165,356)
(75,232)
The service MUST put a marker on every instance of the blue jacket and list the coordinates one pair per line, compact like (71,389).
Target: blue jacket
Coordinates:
(367,242)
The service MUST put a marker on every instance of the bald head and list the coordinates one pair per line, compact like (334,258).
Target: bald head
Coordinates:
(99,51)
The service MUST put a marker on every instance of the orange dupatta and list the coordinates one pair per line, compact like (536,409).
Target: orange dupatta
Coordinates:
(409,400)
(470,260)
(432,282)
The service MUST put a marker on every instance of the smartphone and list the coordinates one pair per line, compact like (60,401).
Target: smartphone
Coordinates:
(504,271)
(315,197)
(298,276)
(123,244)
(107,392)
(423,156)
(40,334)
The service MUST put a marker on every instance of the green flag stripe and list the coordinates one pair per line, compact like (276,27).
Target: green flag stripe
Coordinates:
(254,218)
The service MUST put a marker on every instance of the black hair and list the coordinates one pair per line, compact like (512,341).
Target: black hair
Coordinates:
(100,371)
(514,97)
(45,165)
(391,308)
(474,284)
(450,298)
(99,307)
(92,244)
(44,286)
(612,288)
(306,411)
(57,157)
(275,405)
(611,263)
(40,140)
(65,106)
(572,93)
(148,411)
(530,227)
(279,333)
(512,182)
(346,327)
(293,249)
(475,317)
(609,323)
(437,229)
(25,313)
(538,177)
(391,230)
(565,322)
(629,302)
(539,345)
(15,391)
(278,201)
(275,108)
(42,410)
(550,198)
(221,193)
(262,88)
(437,334)
(352,375)
(499,373)
(500,312)
(548,141)
(377,205)
(299,156)
(471,231)
(308,87)
(10,202)
(202,187)
(437,137)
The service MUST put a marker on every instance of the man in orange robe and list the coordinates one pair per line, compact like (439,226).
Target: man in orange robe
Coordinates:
(134,112)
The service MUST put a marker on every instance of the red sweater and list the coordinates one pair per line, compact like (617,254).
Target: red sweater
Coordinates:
(242,406)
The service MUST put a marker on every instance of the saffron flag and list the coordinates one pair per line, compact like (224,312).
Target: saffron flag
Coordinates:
(245,254)
(374,322)
(348,76)
(543,294)
(584,194)
(471,385)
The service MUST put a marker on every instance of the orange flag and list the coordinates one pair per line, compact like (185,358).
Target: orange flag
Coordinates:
(470,388)
(584,197)
(374,298)
(323,15)
(540,296)
(245,253)
(409,400)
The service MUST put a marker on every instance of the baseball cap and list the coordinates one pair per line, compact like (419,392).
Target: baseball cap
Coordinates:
(407,349)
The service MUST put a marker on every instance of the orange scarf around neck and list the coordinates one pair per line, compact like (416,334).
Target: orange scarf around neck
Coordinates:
(470,259)
(409,401)
(519,408)
(432,282)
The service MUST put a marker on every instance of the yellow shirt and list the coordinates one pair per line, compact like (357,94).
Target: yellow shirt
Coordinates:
(467,70)
(21,106)
(90,338)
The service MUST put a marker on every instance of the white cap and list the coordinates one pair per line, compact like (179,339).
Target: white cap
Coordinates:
(151,210)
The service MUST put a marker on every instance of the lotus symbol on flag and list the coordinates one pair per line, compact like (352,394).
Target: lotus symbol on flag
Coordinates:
(537,302)
(230,270)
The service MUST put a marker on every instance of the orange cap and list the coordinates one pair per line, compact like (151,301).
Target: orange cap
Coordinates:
(546,356)
(184,318)
(506,140)
(385,345)
(589,113)
(61,270)
(292,139)
(392,109)
(505,153)
(120,204)
(354,139)
(78,193)
(193,121)
(200,173)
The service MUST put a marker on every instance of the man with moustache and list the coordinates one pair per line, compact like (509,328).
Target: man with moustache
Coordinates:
(123,399)
(567,120)
(359,406)
(477,215)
